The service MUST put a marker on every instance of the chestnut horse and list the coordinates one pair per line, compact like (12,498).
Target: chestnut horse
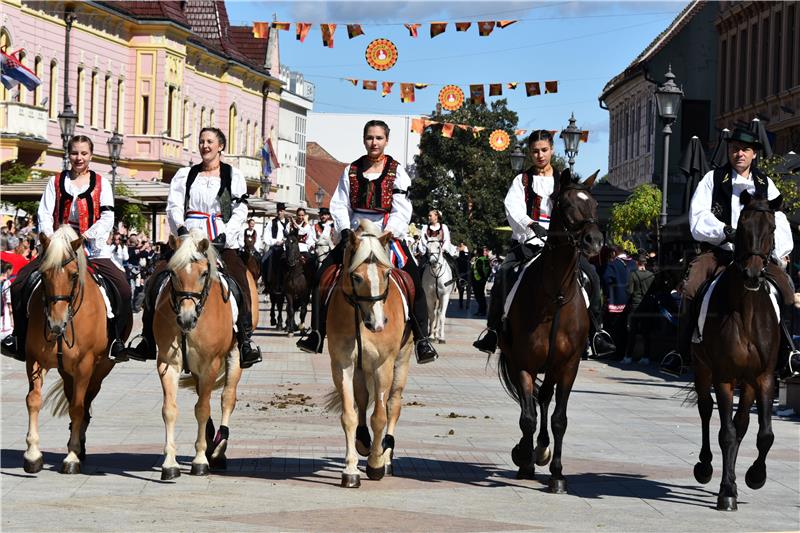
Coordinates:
(64,312)
(547,328)
(740,344)
(193,326)
(370,346)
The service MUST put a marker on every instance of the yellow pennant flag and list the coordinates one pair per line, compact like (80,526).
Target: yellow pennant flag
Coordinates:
(260,30)
(407,93)
(327,34)
(420,85)
(504,23)
(412,29)
(302,30)
(386,87)
(284,26)
(511,85)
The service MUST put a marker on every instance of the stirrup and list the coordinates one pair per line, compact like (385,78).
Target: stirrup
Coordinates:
(670,370)
(130,349)
(602,335)
(479,343)
(122,355)
(791,371)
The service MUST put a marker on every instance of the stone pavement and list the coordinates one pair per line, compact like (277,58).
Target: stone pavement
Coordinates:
(628,457)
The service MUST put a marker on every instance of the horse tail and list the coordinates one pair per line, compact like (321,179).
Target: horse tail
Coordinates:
(56,399)
(333,400)
(504,373)
(689,395)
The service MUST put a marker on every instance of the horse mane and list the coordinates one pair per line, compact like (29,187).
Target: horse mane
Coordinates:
(59,248)
(188,252)
(370,248)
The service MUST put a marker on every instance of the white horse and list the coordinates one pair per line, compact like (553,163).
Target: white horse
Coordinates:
(437,282)
(322,247)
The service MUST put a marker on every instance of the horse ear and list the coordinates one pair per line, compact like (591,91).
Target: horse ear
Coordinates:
(386,238)
(777,203)
(44,239)
(353,239)
(744,198)
(565,178)
(590,182)
(202,246)
(77,243)
(173,242)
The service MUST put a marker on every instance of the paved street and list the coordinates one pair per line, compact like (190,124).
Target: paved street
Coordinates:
(628,457)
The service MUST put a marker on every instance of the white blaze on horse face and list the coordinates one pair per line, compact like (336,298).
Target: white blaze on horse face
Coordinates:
(583,196)
(375,291)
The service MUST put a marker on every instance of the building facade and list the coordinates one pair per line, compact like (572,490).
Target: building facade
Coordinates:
(297,100)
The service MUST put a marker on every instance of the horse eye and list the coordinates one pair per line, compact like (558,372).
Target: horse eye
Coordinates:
(204,274)
(387,274)
(357,278)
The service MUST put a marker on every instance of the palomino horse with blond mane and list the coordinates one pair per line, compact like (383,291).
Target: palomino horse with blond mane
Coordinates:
(194,331)
(64,311)
(370,345)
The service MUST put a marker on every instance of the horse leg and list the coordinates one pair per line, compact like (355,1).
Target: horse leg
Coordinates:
(343,379)
(705,406)
(558,422)
(445,301)
(757,473)
(202,413)
(542,451)
(522,454)
(33,460)
(726,500)
(77,411)
(382,382)
(279,318)
(361,393)
(169,374)
(233,373)
(394,404)
(272,305)
(290,325)
(101,370)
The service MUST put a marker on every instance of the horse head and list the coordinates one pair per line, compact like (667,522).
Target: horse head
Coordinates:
(366,273)
(434,252)
(191,269)
(323,246)
(292,248)
(575,214)
(755,237)
(63,270)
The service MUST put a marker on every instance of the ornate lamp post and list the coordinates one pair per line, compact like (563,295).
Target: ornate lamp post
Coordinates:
(266,187)
(114,149)
(319,196)
(668,101)
(517,159)
(66,121)
(572,138)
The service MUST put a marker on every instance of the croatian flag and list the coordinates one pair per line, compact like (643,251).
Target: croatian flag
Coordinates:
(13,72)
(270,158)
(397,255)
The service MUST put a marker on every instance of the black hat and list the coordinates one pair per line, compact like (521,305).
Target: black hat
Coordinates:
(324,211)
(281,206)
(745,137)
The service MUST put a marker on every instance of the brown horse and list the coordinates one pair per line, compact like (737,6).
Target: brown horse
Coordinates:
(547,328)
(370,346)
(741,339)
(193,329)
(64,312)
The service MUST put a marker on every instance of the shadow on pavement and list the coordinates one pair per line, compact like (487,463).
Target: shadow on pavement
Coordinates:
(100,464)
(607,484)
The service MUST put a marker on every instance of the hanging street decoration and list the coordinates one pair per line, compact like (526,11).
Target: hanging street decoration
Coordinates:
(499,140)
(381,54)
(485,28)
(451,97)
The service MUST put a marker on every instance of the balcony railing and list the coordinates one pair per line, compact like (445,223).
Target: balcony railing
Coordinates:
(250,167)
(154,148)
(23,120)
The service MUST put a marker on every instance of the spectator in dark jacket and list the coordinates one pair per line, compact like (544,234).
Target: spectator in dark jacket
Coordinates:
(481,269)
(615,288)
(639,284)
(463,267)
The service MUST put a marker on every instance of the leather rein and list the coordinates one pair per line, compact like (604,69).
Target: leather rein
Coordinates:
(72,310)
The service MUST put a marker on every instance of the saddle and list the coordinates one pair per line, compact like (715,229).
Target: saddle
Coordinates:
(110,290)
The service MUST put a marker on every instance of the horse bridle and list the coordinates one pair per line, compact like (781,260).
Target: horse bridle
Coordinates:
(439,254)
(747,254)
(354,298)
(574,229)
(198,298)
(72,310)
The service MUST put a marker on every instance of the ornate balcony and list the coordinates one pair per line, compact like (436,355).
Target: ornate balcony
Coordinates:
(23,132)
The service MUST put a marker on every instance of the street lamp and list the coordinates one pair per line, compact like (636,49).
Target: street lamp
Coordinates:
(517,159)
(66,121)
(266,182)
(114,149)
(572,138)
(319,196)
(668,102)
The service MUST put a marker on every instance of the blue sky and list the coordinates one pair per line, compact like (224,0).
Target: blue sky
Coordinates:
(580,44)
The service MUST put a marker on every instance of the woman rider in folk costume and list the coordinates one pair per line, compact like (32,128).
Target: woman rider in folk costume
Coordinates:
(528,205)
(211,197)
(85,200)
(374,187)
(305,233)
(436,230)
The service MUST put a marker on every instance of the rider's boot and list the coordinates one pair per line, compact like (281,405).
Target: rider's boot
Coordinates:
(676,361)
(423,348)
(314,339)
(487,343)
(601,341)
(146,349)
(792,366)
(14,344)
(249,354)
(117,351)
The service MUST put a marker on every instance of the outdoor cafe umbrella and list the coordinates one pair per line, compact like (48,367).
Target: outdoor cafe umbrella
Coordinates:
(757,127)
(720,155)
(694,166)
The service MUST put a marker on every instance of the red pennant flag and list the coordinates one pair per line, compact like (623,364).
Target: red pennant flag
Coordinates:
(387,87)
(504,23)
(520,132)
(354,30)
(532,88)
(369,85)
(485,28)
(407,93)
(437,28)
(420,85)
(327,34)
(511,85)
(260,30)
(412,29)
(476,94)
(553,132)
(463,26)
(585,136)
(353,81)
(302,30)
(417,125)
(495,89)
(550,87)
(282,25)
(447,129)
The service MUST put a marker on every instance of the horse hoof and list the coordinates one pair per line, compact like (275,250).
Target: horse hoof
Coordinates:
(558,486)
(442,341)
(389,469)
(200,469)
(542,456)
(375,474)
(171,472)
(703,472)
(32,467)
(726,503)
(351,481)
(363,441)
(290,334)
(526,472)
(218,463)
(70,468)
(756,477)
(520,458)
(272,322)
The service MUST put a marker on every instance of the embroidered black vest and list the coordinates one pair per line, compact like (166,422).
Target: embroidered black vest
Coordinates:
(723,190)
(533,202)
(373,195)
(224,195)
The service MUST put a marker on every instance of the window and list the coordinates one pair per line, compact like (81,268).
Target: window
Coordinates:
(232,130)
(107,104)
(119,127)
(777,32)
(248,140)
(95,103)
(753,76)
(5,43)
(79,97)
(37,69)
(791,39)
(211,118)
(22,92)
(764,90)
(743,79)
(145,124)
(723,76)
(53,103)
(649,121)
(638,128)
(170,130)
(733,74)
(187,124)
(625,135)
(202,119)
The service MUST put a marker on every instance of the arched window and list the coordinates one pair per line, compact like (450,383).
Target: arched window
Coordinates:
(202,119)
(22,92)
(5,44)
(119,127)
(107,104)
(37,69)
(53,94)
(187,123)
(248,147)
(232,130)
(211,118)
(80,105)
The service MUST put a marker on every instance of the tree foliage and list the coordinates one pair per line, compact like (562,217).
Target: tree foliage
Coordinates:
(638,213)
(18,172)
(130,214)
(788,186)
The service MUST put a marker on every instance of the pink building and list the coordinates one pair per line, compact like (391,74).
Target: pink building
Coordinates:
(156,72)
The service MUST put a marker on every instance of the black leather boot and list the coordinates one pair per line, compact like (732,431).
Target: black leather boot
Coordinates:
(676,361)
(488,342)
(313,340)
(11,347)
(249,353)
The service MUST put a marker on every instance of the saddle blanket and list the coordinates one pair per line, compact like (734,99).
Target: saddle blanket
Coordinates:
(225,288)
(106,300)
(697,337)
(524,268)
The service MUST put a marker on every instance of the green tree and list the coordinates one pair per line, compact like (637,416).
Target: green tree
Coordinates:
(18,172)
(638,213)
(130,214)
(788,186)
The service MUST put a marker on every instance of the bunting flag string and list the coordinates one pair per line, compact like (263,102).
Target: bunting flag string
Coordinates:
(499,139)
(454,95)
(485,28)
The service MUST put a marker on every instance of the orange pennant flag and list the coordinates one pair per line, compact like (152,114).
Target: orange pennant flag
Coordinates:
(260,30)
(532,88)
(302,30)
(428,122)
(369,85)
(476,94)
(585,136)
(550,87)
(495,89)
(511,85)
(463,26)
(520,132)
(447,129)
(417,125)
(420,85)
(412,29)
(553,132)
(282,25)
(354,30)
(407,93)
(437,28)
(504,23)
(386,87)
(485,28)
(353,81)
(327,34)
